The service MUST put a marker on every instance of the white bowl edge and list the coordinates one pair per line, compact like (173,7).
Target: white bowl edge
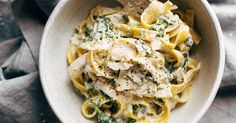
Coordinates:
(221,61)
(41,59)
(206,105)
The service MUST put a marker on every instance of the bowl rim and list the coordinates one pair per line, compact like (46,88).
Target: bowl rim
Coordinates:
(206,105)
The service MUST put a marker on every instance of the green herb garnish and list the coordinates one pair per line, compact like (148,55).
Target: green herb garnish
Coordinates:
(131,120)
(170,66)
(186,59)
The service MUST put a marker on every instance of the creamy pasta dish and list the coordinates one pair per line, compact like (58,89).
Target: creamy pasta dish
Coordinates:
(133,69)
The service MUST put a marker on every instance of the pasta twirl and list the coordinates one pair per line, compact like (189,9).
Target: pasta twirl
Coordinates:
(133,69)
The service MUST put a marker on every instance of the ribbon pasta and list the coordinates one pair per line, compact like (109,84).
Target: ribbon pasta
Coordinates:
(133,69)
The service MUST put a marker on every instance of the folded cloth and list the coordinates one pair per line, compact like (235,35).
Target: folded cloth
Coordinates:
(227,17)
(22,101)
(21,96)
(223,1)
(47,5)
(223,109)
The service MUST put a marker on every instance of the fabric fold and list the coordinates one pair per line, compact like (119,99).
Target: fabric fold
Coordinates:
(21,95)
(22,101)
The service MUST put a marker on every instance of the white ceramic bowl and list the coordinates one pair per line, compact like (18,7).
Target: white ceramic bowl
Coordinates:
(53,65)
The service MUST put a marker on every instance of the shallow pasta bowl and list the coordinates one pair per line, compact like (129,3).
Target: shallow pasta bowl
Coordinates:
(53,64)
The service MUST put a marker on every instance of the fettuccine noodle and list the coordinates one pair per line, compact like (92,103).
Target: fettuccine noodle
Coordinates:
(133,69)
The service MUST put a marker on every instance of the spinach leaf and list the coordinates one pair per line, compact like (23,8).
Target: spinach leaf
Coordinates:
(125,17)
(86,31)
(186,58)
(114,106)
(131,120)
(135,107)
(86,77)
(170,66)
(103,118)
(168,20)
(92,91)
(103,23)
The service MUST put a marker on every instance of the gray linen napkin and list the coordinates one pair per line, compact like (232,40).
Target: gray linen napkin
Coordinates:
(223,109)
(21,96)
